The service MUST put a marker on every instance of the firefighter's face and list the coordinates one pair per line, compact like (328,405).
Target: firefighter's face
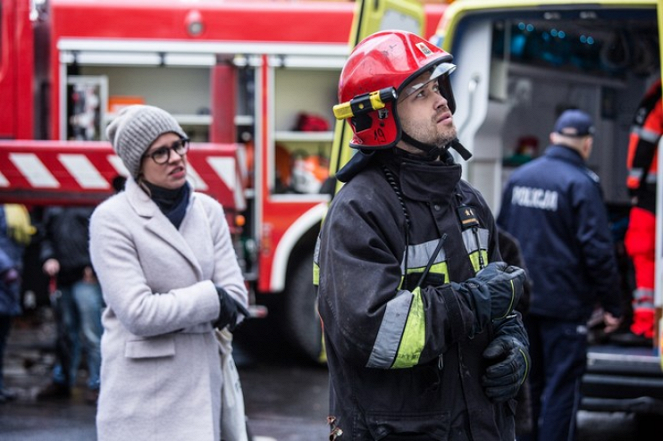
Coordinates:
(162,165)
(425,114)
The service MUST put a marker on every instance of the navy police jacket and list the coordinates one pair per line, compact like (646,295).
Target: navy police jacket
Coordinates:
(554,206)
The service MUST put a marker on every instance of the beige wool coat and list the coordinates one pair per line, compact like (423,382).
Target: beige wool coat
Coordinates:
(161,373)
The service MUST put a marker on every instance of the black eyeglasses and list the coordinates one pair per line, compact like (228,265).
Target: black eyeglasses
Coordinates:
(161,155)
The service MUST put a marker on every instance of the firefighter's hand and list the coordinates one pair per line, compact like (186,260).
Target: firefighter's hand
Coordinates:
(508,366)
(492,293)
(505,284)
(231,312)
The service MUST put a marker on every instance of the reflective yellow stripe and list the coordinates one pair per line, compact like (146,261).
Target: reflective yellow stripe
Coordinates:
(474,258)
(316,274)
(476,251)
(414,334)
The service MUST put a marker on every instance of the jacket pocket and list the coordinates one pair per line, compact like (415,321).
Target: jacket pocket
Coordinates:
(399,426)
(150,348)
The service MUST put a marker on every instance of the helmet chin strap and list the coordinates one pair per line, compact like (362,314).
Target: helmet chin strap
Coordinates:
(433,151)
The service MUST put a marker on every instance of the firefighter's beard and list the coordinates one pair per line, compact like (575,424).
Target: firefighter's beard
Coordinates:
(431,132)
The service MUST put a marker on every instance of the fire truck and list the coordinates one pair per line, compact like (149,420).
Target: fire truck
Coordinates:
(251,82)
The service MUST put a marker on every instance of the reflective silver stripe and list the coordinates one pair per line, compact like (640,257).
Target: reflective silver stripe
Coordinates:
(391,331)
(643,293)
(419,255)
(646,134)
(471,243)
(316,251)
(636,173)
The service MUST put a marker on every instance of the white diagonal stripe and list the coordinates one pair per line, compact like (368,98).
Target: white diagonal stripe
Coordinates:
(34,171)
(3,181)
(198,183)
(240,200)
(83,171)
(225,168)
(118,165)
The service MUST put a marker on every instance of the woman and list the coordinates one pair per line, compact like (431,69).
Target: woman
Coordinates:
(169,275)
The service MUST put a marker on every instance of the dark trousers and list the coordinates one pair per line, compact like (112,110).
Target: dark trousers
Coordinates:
(5,327)
(559,354)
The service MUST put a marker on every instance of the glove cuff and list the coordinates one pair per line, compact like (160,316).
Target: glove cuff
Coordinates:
(461,327)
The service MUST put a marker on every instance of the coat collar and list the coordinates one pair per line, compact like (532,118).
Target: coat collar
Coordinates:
(158,224)
(425,180)
(566,154)
(573,157)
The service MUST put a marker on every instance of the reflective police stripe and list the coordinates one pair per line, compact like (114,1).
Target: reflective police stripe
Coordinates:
(476,251)
(401,337)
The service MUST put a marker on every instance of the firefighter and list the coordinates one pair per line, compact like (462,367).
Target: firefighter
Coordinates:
(417,309)
(641,183)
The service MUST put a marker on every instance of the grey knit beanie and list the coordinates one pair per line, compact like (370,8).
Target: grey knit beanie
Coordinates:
(135,129)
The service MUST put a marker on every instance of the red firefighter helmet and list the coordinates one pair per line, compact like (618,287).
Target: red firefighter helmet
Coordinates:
(379,69)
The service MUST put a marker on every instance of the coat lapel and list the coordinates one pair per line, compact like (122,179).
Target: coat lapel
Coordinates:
(159,224)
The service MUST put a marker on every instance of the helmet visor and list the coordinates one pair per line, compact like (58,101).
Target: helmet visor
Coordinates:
(439,72)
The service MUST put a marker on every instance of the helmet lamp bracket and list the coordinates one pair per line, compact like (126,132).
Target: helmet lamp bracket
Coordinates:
(365,103)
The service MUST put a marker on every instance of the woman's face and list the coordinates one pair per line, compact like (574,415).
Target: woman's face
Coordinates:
(162,165)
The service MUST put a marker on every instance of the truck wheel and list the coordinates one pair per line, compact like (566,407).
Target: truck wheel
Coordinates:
(301,323)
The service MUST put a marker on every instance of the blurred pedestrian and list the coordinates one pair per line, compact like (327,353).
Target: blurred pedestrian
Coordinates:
(16,231)
(76,300)
(554,207)
(170,276)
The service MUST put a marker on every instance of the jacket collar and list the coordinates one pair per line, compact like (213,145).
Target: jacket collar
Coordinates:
(425,181)
(565,153)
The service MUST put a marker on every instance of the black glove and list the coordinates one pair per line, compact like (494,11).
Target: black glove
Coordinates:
(230,310)
(493,292)
(505,284)
(509,364)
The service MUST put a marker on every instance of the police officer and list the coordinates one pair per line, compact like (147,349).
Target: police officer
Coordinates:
(554,207)
(417,308)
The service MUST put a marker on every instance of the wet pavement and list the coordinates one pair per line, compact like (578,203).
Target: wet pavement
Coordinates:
(285,398)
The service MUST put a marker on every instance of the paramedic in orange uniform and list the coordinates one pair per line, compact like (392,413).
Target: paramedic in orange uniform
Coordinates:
(640,236)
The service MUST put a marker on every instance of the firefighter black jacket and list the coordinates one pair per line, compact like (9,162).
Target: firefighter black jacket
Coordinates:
(404,354)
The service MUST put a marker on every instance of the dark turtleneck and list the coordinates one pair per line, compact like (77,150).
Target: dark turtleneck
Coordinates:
(172,203)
